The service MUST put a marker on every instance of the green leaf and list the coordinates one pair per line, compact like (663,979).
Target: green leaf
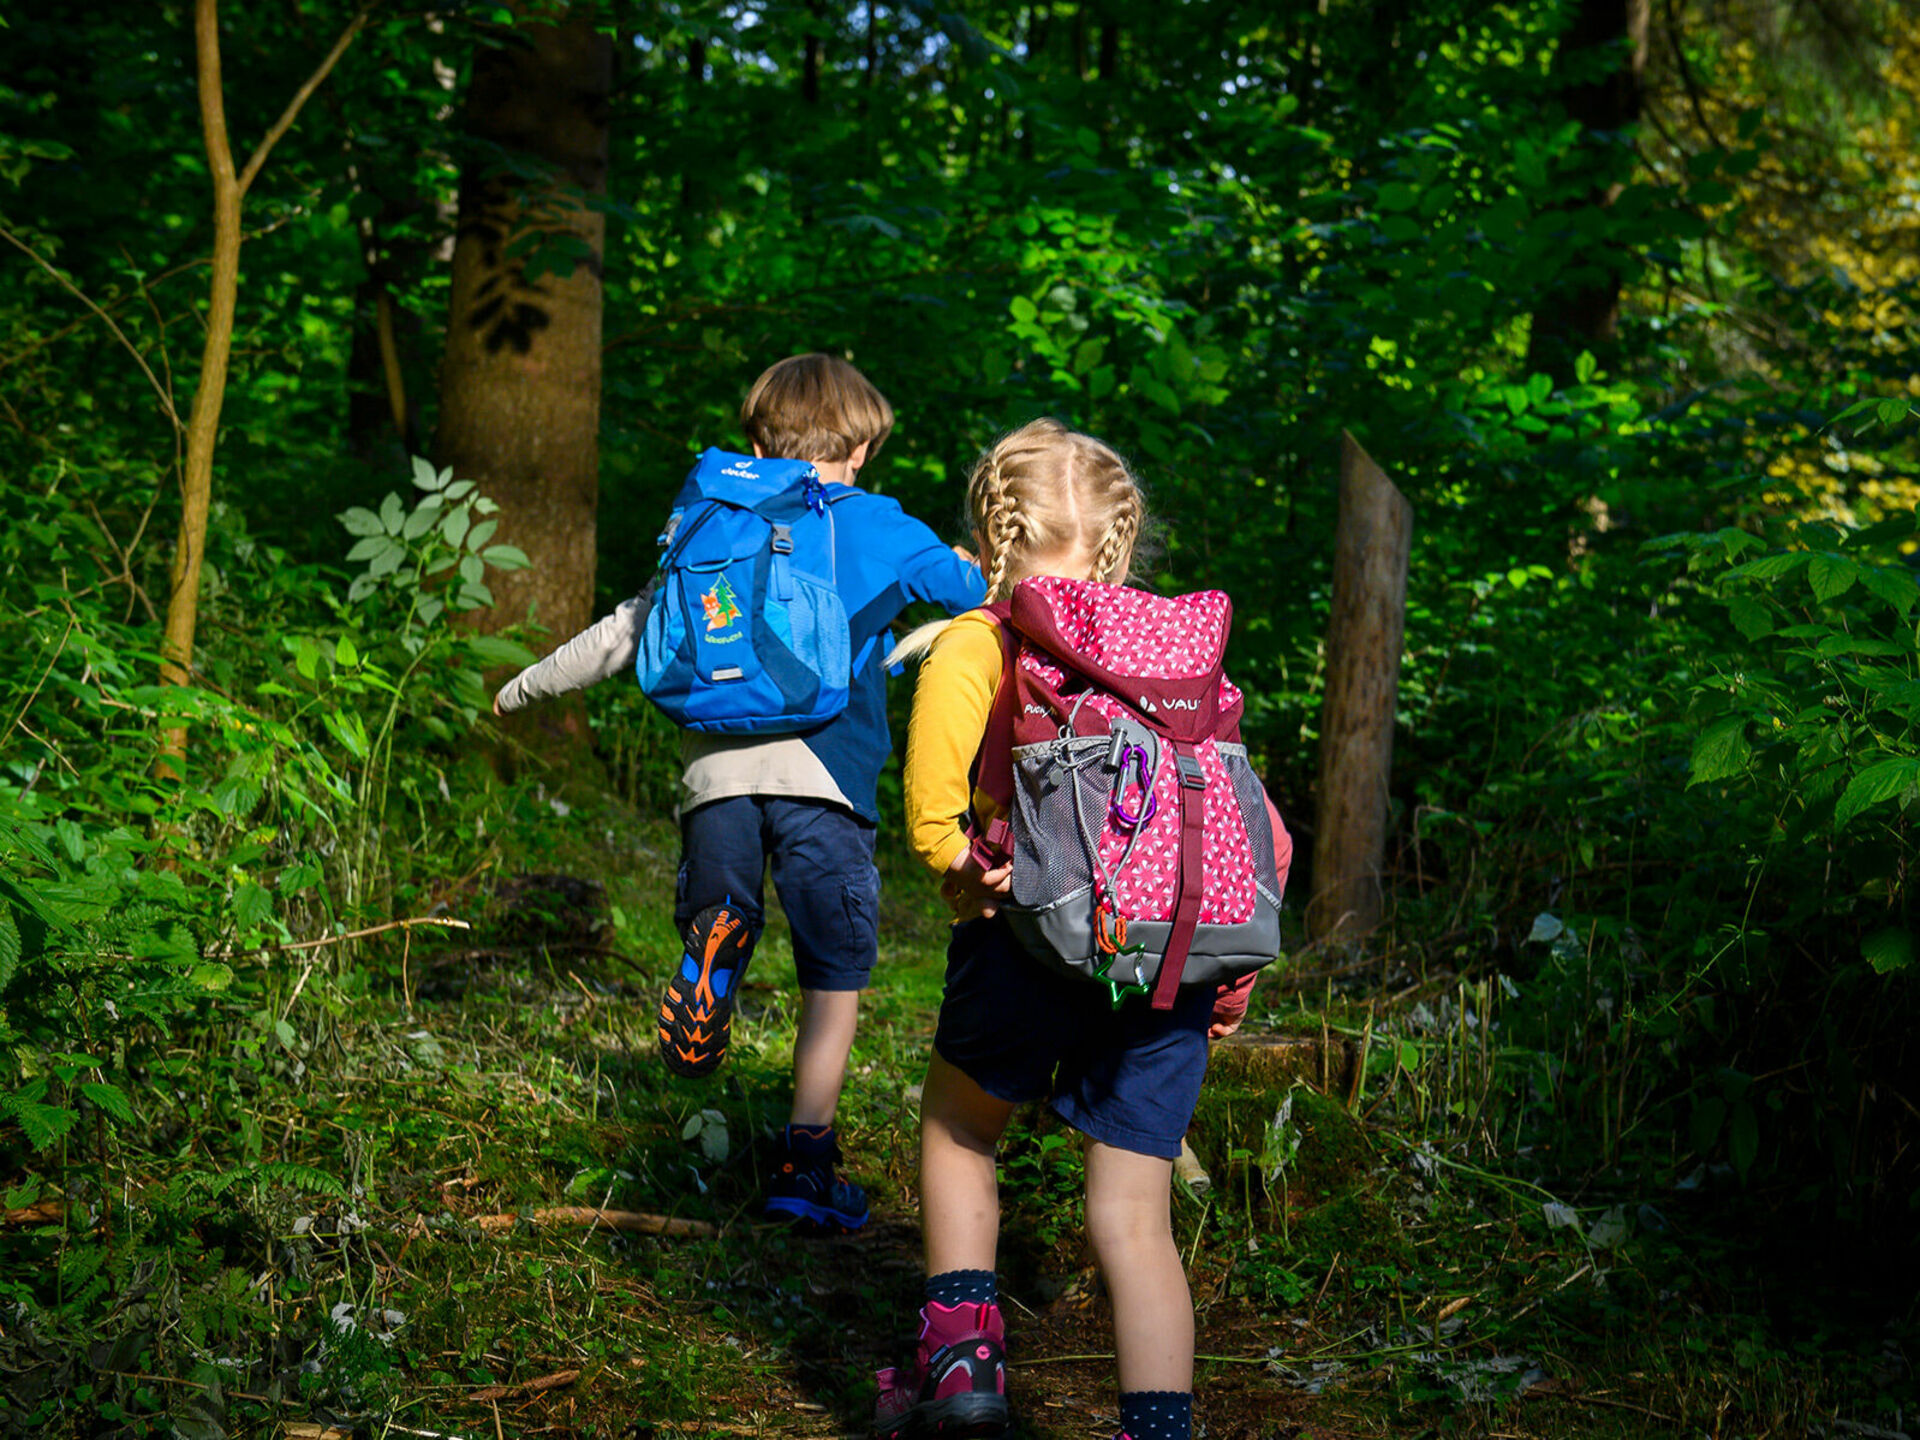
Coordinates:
(420,521)
(1708,1117)
(252,904)
(370,546)
(345,652)
(10,947)
(210,975)
(1772,567)
(361,522)
(1874,784)
(349,730)
(1398,195)
(42,1124)
(1159,392)
(392,514)
(481,534)
(1743,1138)
(1891,412)
(1722,752)
(1892,585)
(1584,367)
(455,526)
(1831,576)
(472,569)
(1889,950)
(506,557)
(1750,617)
(1023,309)
(424,475)
(301,1177)
(110,1098)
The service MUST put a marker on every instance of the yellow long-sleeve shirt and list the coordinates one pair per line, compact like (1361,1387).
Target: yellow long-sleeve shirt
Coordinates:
(951,703)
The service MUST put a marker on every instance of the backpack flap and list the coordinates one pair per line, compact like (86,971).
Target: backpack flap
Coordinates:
(1159,655)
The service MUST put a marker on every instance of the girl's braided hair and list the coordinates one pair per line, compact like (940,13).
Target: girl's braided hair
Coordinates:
(1048,495)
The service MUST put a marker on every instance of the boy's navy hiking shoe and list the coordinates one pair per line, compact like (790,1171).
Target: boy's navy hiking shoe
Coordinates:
(696,1018)
(958,1387)
(805,1190)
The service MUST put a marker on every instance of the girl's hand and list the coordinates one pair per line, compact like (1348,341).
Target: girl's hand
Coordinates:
(973,891)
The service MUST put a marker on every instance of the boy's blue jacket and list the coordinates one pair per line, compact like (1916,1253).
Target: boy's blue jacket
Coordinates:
(886,561)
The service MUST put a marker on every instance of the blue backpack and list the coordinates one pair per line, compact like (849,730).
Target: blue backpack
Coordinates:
(747,634)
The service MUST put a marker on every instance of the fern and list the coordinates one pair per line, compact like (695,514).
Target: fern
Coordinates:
(282,1172)
(42,1123)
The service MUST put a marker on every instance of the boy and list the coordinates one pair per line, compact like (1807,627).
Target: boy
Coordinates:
(804,802)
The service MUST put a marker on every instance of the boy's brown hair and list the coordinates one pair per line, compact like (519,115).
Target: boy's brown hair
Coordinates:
(815,407)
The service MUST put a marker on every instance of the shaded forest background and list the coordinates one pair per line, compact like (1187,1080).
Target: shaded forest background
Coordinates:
(350,358)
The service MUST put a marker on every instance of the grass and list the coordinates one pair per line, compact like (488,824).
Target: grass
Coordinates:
(298,1242)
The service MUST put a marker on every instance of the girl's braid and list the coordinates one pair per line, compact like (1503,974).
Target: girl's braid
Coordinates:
(1004,526)
(1117,544)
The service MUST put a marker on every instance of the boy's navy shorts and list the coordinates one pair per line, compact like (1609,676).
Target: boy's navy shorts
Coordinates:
(823,872)
(1021,1031)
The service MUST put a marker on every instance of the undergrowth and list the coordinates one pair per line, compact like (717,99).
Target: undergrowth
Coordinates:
(344,1230)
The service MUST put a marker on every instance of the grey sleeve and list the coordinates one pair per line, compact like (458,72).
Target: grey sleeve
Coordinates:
(604,648)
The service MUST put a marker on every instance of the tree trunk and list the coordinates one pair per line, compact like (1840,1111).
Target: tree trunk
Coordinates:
(1364,635)
(203,424)
(520,381)
(1583,311)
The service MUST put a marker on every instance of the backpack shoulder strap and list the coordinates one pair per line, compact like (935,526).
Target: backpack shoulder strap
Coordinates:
(993,765)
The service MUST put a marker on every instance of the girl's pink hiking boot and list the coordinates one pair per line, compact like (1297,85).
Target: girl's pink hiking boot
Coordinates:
(958,1388)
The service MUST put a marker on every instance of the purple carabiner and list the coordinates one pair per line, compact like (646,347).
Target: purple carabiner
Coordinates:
(1136,756)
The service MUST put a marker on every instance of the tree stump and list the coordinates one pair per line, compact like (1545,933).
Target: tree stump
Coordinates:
(1275,1062)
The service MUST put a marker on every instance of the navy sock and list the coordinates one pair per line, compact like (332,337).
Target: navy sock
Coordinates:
(963,1287)
(810,1142)
(1157,1415)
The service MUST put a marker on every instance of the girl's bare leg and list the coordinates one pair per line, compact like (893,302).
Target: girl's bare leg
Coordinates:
(960,1124)
(1130,1223)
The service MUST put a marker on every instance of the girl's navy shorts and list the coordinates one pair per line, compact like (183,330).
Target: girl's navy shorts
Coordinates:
(1129,1078)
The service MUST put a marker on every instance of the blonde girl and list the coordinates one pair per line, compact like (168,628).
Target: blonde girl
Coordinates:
(1044,500)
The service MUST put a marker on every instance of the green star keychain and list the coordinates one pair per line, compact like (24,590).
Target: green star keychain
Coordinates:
(1113,943)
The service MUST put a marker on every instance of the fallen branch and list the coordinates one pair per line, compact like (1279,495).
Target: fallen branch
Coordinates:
(530,1387)
(46,1212)
(446,920)
(630,1222)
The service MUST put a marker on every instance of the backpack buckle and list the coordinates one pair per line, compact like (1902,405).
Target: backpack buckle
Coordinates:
(783,540)
(1191,775)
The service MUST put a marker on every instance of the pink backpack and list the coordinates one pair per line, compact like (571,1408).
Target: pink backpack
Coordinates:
(1142,852)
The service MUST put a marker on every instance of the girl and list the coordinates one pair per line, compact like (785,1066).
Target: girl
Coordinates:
(1043,501)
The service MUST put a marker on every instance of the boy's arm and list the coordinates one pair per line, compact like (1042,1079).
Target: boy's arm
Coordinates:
(604,648)
(933,571)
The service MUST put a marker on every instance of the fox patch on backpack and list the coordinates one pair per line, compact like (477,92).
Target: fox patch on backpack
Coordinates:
(747,633)
(1143,856)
